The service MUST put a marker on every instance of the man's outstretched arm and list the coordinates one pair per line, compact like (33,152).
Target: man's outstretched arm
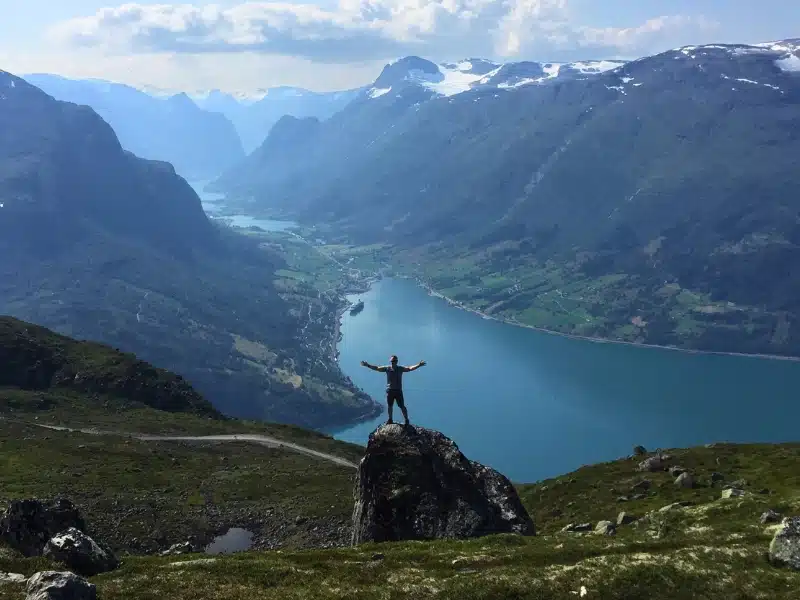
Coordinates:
(373,367)
(421,363)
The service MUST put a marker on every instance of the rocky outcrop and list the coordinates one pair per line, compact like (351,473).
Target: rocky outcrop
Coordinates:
(80,553)
(27,525)
(415,484)
(784,549)
(56,585)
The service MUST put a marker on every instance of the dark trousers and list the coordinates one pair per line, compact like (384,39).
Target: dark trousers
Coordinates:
(393,396)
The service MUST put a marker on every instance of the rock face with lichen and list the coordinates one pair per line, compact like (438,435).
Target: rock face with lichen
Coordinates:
(415,484)
(27,525)
(785,546)
(80,553)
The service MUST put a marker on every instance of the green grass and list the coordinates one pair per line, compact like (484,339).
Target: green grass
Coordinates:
(712,549)
(67,409)
(140,496)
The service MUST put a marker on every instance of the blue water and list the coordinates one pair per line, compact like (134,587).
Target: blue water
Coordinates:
(213,204)
(535,405)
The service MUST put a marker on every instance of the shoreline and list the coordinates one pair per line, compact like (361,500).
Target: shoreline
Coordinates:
(596,340)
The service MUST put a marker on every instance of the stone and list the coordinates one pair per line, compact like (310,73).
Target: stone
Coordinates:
(638,497)
(178,549)
(717,477)
(770,516)
(732,493)
(652,464)
(573,528)
(784,550)
(639,451)
(378,556)
(605,528)
(56,585)
(622,499)
(624,518)
(676,505)
(642,485)
(684,480)
(12,578)
(676,471)
(80,553)
(415,484)
(27,525)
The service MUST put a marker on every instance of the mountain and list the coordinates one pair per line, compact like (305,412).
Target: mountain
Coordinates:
(199,143)
(254,115)
(654,202)
(99,244)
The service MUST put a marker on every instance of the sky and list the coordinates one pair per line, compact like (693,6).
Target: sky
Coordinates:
(327,45)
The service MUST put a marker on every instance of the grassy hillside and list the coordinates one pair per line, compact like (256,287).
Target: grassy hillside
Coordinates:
(713,549)
(141,497)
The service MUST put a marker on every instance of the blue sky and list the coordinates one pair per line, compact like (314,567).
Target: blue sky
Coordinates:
(336,44)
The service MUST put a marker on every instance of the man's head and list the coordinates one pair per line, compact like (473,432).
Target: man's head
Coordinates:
(393,359)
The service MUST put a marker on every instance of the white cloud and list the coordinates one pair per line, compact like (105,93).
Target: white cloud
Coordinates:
(366,30)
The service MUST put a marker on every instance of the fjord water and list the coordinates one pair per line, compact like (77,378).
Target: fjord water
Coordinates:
(535,405)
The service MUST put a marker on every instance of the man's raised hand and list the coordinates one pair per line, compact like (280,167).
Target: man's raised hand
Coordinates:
(364,363)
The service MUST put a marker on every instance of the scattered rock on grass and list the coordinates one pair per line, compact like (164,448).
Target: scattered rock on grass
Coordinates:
(770,516)
(177,549)
(605,528)
(675,505)
(732,493)
(676,471)
(639,451)
(784,549)
(57,585)
(685,480)
(27,525)
(625,519)
(80,552)
(573,528)
(652,464)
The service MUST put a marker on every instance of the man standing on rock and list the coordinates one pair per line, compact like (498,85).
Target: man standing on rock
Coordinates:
(394,383)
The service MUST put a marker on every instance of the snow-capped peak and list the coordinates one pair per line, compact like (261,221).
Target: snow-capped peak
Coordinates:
(449,79)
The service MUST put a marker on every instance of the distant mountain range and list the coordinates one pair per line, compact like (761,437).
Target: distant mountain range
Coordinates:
(100,244)
(255,114)
(660,197)
(200,144)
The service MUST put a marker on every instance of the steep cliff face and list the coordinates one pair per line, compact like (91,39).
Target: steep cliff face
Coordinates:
(415,484)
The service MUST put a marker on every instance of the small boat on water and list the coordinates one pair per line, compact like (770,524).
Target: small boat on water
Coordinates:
(357,307)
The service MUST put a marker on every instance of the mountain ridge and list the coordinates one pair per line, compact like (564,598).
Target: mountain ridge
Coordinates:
(611,188)
(199,143)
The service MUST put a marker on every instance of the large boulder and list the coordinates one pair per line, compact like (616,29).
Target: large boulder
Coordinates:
(27,525)
(56,585)
(785,546)
(415,484)
(80,553)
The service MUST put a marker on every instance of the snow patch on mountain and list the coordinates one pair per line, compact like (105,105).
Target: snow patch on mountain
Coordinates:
(790,64)
(455,81)
(596,66)
(378,92)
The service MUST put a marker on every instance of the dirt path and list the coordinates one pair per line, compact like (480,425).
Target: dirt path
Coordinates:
(261,440)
